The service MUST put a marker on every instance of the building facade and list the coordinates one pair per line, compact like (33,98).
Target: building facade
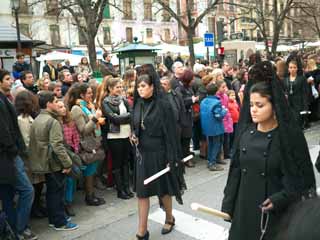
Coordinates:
(141,19)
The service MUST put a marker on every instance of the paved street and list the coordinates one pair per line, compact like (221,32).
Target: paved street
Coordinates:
(118,219)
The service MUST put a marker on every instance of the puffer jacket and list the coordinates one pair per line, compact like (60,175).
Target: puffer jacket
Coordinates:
(211,116)
(47,130)
(227,120)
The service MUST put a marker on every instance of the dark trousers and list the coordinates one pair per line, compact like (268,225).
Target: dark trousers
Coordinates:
(232,135)
(6,196)
(226,144)
(196,135)
(185,146)
(55,198)
(120,149)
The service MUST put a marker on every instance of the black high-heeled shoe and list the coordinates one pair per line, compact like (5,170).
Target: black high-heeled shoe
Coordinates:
(144,237)
(168,230)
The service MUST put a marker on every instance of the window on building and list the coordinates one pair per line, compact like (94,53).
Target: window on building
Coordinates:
(289,29)
(106,35)
(55,34)
(149,32)
(52,7)
(106,12)
(147,10)
(24,8)
(232,25)
(82,37)
(167,36)
(231,6)
(129,34)
(220,6)
(127,9)
(25,29)
(165,15)
(192,5)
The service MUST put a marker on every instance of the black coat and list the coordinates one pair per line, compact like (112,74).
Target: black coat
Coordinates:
(297,92)
(11,141)
(257,174)
(186,118)
(158,147)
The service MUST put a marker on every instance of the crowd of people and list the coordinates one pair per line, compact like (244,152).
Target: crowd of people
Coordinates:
(127,128)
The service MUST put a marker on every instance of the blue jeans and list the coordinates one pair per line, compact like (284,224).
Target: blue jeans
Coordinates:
(55,198)
(24,189)
(70,187)
(6,196)
(214,147)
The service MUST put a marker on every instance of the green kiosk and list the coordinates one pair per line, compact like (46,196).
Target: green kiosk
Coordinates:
(135,54)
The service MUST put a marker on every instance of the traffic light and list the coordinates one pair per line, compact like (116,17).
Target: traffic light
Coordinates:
(221,31)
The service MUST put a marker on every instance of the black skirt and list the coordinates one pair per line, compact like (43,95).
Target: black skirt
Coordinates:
(153,160)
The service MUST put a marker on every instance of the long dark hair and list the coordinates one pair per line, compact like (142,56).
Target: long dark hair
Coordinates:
(75,93)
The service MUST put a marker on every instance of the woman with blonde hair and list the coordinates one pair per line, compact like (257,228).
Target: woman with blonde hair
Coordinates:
(43,84)
(117,111)
(217,75)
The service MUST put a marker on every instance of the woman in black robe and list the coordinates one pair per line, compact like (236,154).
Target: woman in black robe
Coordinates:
(155,135)
(271,166)
(296,89)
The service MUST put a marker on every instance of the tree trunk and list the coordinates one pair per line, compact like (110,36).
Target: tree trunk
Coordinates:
(275,41)
(191,47)
(92,52)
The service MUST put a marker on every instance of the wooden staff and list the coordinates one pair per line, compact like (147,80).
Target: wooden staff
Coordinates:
(214,212)
(164,171)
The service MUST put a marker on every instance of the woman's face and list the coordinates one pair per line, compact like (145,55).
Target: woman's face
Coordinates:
(84,60)
(116,90)
(145,90)
(46,83)
(220,77)
(80,78)
(293,69)
(61,109)
(260,108)
(246,77)
(88,95)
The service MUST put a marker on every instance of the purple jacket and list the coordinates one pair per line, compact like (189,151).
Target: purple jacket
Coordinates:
(227,120)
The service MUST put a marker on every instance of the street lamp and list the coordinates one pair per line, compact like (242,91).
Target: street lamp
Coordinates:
(15,5)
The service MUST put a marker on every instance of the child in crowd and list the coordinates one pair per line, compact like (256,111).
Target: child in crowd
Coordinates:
(72,138)
(234,110)
(211,116)
(227,120)
(55,87)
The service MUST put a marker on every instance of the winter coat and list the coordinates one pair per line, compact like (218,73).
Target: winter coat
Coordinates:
(18,68)
(45,130)
(11,141)
(107,68)
(234,110)
(186,118)
(211,116)
(227,120)
(297,92)
(113,117)
(257,174)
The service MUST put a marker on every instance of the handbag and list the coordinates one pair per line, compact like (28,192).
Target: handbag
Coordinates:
(91,149)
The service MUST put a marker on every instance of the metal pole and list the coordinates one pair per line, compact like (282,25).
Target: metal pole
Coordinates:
(18,30)
(208,56)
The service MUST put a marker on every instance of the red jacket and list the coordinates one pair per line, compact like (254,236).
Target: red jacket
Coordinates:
(234,110)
